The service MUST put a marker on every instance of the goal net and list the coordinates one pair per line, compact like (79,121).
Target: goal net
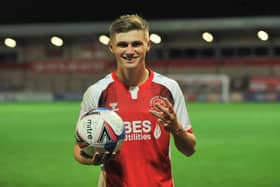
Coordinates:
(204,87)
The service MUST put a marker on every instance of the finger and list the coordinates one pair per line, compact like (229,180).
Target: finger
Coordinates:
(166,107)
(105,156)
(117,148)
(166,116)
(167,113)
(156,113)
(159,114)
(169,104)
(85,155)
(97,158)
(162,108)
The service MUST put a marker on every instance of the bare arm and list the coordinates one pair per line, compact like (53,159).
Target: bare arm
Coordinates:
(184,141)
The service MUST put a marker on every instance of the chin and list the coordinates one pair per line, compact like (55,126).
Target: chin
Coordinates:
(131,64)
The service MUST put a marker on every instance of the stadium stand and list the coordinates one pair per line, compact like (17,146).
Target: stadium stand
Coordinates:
(35,66)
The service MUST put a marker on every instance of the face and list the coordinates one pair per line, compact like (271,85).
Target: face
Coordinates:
(130,48)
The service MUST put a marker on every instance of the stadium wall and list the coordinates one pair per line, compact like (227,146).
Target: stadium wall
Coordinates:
(67,80)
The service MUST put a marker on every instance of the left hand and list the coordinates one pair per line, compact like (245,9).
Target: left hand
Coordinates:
(166,115)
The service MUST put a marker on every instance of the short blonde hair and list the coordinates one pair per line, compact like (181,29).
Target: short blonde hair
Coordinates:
(127,23)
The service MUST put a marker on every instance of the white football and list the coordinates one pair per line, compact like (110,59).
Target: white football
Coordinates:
(100,130)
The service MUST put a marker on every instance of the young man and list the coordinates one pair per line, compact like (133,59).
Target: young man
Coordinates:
(151,105)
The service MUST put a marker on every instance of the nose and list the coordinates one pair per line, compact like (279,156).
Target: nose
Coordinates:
(130,49)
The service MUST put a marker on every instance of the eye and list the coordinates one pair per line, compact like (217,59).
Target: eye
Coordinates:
(136,43)
(122,44)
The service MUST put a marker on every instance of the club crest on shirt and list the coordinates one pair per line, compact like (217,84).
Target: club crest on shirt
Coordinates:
(155,100)
(114,106)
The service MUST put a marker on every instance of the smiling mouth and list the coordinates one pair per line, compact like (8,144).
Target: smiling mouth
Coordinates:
(129,58)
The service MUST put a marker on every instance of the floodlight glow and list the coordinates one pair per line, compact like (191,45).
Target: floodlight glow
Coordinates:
(155,38)
(208,37)
(9,42)
(262,35)
(104,39)
(56,41)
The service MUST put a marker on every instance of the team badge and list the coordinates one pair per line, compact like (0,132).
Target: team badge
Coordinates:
(155,100)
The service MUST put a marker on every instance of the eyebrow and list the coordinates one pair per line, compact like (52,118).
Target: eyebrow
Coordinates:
(134,43)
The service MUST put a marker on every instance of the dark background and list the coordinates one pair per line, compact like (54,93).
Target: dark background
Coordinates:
(31,11)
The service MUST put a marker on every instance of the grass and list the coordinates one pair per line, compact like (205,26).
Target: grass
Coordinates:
(237,145)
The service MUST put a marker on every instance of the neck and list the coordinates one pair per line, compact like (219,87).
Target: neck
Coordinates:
(133,77)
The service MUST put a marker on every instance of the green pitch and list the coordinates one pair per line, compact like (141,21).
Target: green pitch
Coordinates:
(238,145)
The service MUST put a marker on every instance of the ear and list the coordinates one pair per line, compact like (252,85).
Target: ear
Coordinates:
(110,47)
(149,45)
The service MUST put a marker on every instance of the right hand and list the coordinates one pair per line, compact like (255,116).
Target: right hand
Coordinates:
(98,157)
(101,158)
